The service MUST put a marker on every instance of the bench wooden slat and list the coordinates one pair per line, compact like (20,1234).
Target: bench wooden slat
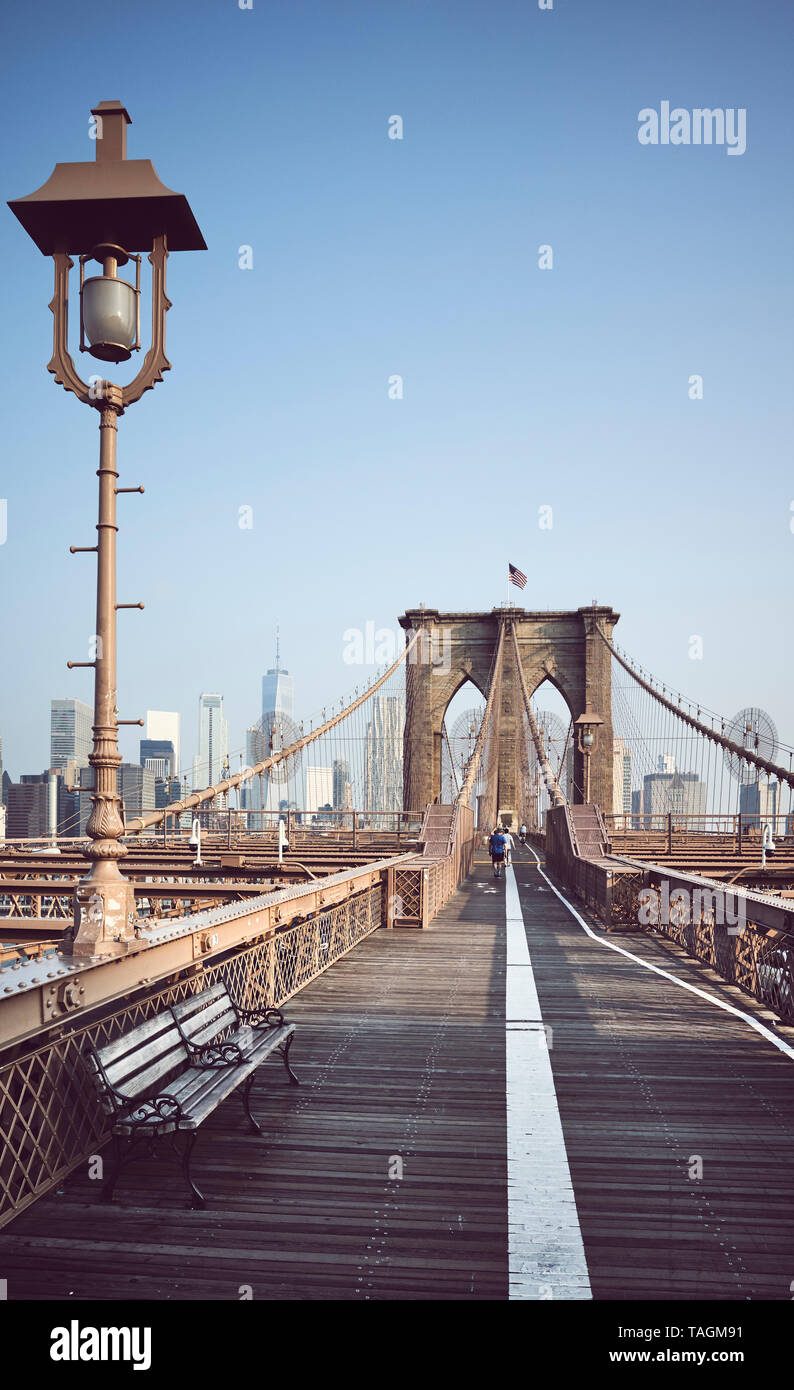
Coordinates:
(135,1038)
(204,1034)
(139,1082)
(209,1001)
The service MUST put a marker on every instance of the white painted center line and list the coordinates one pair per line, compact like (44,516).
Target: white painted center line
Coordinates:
(546,1253)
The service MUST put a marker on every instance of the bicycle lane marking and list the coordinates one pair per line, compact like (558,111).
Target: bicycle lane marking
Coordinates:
(546,1256)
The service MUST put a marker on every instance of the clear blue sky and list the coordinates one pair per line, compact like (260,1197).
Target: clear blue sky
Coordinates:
(419,257)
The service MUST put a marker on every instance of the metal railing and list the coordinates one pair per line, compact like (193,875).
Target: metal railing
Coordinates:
(671,829)
(746,936)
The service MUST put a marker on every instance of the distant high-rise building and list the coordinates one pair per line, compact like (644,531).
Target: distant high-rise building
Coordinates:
(136,787)
(71,736)
(319,788)
(569,766)
(621,779)
(272,732)
(159,755)
(665,792)
(758,801)
(28,807)
(277,688)
(343,790)
(166,725)
(383,755)
(213,753)
(39,804)
(166,791)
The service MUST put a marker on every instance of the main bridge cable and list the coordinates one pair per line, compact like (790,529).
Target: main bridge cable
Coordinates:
(552,785)
(736,749)
(143,822)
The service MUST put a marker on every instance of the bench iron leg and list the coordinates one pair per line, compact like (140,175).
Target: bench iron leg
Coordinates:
(285,1054)
(197,1200)
(255,1125)
(110,1183)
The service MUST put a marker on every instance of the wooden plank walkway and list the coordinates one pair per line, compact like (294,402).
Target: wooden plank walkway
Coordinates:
(401,1052)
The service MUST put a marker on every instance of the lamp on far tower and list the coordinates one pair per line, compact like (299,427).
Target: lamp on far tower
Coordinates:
(587,726)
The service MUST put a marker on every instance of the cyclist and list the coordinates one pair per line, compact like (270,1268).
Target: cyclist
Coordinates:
(522,834)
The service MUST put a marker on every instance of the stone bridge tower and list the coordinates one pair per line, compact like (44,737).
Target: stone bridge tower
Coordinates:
(563,647)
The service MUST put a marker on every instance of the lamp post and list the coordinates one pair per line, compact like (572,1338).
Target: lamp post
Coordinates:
(106,211)
(587,726)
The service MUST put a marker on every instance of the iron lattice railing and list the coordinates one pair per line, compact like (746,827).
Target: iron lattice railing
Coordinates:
(760,964)
(49,1121)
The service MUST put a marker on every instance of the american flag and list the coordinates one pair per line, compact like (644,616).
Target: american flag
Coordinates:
(515,576)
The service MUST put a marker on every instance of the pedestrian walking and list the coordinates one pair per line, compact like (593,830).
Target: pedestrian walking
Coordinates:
(496,845)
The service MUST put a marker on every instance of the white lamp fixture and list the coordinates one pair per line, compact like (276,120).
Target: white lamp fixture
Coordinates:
(110,308)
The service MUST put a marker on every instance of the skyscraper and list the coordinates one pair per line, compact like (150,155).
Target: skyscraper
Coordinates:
(681,793)
(213,751)
(343,790)
(277,688)
(275,730)
(166,724)
(158,754)
(383,756)
(136,787)
(319,787)
(71,736)
(758,801)
(621,781)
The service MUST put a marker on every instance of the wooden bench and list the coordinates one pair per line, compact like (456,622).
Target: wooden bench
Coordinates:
(165,1077)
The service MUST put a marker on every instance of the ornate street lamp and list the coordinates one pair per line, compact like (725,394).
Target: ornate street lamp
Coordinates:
(587,726)
(107,211)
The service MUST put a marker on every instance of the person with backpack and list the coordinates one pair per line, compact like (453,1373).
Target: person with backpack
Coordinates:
(496,845)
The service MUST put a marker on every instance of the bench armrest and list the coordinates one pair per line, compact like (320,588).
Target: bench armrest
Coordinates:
(117,1105)
(140,1111)
(223,1054)
(270,1015)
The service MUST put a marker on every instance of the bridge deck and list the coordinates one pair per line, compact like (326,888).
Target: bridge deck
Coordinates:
(401,1052)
